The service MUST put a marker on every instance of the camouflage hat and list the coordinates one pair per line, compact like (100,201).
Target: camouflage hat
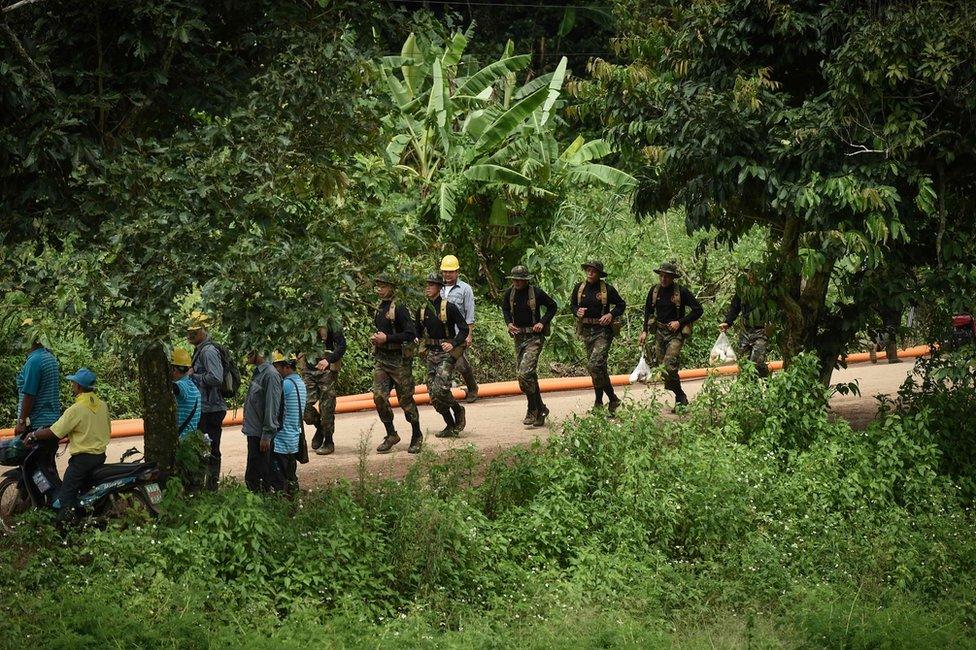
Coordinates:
(668,268)
(596,266)
(519,273)
(385,278)
(435,278)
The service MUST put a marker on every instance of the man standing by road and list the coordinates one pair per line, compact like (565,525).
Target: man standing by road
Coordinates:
(87,427)
(442,331)
(666,310)
(460,293)
(754,339)
(320,370)
(262,420)
(38,399)
(284,457)
(188,400)
(522,305)
(393,351)
(207,373)
(598,308)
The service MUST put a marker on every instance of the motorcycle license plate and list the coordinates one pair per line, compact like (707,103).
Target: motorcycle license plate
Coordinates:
(41,481)
(154,493)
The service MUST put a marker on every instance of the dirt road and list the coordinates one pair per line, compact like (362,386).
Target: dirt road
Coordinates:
(496,424)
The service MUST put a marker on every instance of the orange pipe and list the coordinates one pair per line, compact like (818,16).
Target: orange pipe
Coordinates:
(364,401)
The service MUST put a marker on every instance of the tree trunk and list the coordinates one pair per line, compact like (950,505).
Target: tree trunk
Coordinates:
(158,407)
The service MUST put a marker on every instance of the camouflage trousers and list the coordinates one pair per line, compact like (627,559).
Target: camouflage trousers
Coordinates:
(753,344)
(663,347)
(466,370)
(597,340)
(391,369)
(528,347)
(440,368)
(321,386)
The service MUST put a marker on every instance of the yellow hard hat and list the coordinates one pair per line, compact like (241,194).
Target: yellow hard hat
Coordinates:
(180,357)
(280,357)
(198,321)
(450,263)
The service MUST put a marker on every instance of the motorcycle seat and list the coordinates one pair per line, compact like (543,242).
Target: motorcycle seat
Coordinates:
(111,471)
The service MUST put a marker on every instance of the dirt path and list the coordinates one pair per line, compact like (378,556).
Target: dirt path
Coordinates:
(496,424)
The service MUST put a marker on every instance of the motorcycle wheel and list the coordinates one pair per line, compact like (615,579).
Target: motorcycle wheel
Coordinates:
(132,505)
(13,502)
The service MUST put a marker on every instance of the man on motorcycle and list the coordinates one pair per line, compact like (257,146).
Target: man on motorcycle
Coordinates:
(87,427)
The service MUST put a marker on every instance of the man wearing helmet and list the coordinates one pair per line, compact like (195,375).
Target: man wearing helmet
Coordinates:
(460,293)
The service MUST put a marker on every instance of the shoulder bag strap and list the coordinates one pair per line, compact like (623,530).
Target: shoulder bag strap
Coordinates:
(532,303)
(186,422)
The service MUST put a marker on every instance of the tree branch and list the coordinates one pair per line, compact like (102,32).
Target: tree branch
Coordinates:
(17,5)
(19,49)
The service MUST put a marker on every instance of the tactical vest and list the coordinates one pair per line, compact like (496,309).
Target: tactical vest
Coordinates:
(443,319)
(675,300)
(615,324)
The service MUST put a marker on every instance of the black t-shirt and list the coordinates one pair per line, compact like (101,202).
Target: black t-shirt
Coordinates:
(591,300)
(665,310)
(522,316)
(401,330)
(431,327)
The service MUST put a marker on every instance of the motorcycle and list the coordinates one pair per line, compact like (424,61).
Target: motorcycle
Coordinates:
(963,331)
(115,488)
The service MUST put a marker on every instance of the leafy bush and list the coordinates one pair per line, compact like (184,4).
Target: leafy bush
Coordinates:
(652,531)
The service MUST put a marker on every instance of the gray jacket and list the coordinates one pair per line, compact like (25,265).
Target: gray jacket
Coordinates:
(208,374)
(262,406)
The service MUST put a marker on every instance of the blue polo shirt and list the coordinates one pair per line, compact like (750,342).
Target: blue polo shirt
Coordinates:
(40,377)
(187,401)
(295,398)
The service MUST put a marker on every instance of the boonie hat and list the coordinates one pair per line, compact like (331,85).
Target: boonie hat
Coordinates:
(596,265)
(83,377)
(668,268)
(519,273)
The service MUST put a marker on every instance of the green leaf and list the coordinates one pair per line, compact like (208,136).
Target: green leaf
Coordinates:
(496,174)
(413,75)
(593,150)
(447,203)
(567,23)
(491,73)
(454,50)
(507,123)
(436,105)
(601,175)
(555,87)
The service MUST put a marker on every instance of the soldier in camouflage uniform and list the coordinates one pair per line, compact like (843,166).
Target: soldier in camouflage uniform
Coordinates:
(528,326)
(442,331)
(393,350)
(754,340)
(598,308)
(666,313)
(320,371)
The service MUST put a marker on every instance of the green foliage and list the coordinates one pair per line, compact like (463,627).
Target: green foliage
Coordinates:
(802,118)
(636,531)
(484,154)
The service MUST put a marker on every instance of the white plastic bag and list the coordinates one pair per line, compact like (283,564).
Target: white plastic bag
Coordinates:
(642,372)
(722,352)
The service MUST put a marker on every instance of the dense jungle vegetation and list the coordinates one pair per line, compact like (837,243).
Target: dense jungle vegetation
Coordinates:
(263,160)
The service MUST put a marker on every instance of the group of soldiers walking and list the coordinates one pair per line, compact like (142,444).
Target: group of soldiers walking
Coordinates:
(289,389)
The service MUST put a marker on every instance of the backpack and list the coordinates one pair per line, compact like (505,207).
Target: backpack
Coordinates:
(230,383)
(409,349)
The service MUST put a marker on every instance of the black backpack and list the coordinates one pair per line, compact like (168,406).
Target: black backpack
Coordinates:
(230,383)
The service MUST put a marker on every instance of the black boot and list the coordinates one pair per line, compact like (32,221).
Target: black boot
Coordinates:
(317,437)
(680,400)
(416,439)
(460,421)
(328,446)
(614,402)
(448,430)
(541,411)
(390,440)
(530,411)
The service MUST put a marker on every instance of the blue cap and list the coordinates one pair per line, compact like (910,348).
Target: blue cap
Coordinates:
(84,378)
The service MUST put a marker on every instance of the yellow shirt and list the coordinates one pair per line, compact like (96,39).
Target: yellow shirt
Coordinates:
(86,425)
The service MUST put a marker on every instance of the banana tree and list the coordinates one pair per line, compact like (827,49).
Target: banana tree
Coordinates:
(483,152)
